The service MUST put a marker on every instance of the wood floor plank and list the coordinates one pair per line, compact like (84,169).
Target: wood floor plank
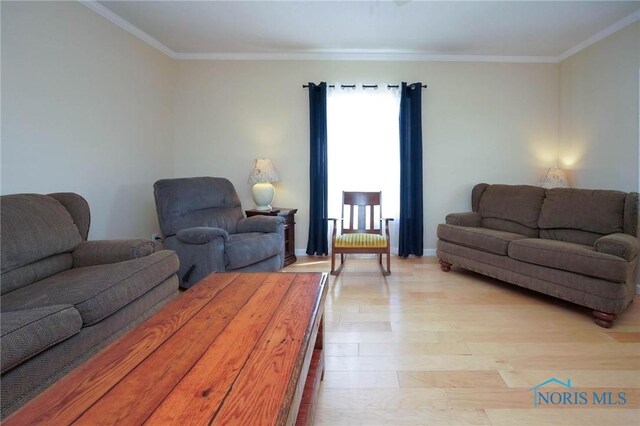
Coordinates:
(586,378)
(93,379)
(586,361)
(451,379)
(564,348)
(360,379)
(400,349)
(341,349)
(381,337)
(625,337)
(485,398)
(416,362)
(531,335)
(347,327)
(378,399)
(431,417)
(563,417)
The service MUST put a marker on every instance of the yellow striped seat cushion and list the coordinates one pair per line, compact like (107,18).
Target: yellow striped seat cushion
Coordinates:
(361,240)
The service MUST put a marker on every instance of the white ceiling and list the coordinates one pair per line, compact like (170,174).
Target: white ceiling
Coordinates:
(544,31)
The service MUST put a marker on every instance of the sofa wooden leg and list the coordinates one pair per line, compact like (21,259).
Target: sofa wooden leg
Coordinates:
(604,319)
(445,266)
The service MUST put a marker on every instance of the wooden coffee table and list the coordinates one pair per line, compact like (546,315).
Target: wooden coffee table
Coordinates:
(233,349)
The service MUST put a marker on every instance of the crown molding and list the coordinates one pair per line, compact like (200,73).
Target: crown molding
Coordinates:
(353,55)
(624,22)
(127,26)
(359,56)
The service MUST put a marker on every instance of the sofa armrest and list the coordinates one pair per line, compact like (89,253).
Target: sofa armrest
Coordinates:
(260,224)
(101,252)
(464,219)
(201,235)
(622,245)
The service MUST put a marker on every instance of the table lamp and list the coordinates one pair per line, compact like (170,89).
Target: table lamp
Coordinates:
(262,174)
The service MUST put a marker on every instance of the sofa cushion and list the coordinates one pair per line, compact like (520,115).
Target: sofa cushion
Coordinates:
(484,239)
(361,240)
(502,204)
(28,332)
(34,227)
(572,257)
(36,271)
(251,247)
(78,208)
(597,211)
(96,291)
(570,235)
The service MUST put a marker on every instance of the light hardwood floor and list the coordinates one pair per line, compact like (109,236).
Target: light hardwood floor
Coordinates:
(432,348)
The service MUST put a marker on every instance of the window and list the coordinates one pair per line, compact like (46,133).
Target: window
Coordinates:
(363,148)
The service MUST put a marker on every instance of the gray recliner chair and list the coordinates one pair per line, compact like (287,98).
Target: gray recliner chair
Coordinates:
(202,220)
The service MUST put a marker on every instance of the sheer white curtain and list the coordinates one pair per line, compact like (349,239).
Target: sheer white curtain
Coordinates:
(364,148)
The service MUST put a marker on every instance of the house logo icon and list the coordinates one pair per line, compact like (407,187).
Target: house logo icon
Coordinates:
(539,396)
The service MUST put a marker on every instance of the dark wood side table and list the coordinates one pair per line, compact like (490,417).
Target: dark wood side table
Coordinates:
(289,229)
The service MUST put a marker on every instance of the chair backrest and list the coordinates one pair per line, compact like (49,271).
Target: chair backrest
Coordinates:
(199,201)
(359,212)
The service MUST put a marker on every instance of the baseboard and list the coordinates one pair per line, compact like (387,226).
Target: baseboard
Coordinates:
(425,252)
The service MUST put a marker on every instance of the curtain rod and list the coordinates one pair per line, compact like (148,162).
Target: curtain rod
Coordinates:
(364,86)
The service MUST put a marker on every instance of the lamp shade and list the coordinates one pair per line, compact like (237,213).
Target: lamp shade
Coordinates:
(555,178)
(263,171)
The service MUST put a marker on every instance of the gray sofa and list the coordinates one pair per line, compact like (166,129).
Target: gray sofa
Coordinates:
(64,298)
(575,244)
(201,218)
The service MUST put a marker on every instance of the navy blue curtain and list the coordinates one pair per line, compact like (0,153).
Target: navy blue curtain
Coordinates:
(410,239)
(317,243)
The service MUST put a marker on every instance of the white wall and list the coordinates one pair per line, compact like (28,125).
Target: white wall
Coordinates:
(86,107)
(599,113)
(482,122)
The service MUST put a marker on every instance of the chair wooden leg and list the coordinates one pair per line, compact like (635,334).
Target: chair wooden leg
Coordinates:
(389,263)
(387,271)
(335,271)
(333,263)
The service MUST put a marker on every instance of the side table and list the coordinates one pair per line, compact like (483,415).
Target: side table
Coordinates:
(289,229)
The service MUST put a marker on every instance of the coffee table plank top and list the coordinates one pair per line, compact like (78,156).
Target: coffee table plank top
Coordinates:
(197,397)
(265,386)
(228,351)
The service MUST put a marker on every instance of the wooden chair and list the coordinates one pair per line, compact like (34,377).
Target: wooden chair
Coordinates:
(360,234)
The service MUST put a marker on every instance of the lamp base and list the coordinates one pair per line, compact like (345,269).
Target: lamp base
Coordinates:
(263,193)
